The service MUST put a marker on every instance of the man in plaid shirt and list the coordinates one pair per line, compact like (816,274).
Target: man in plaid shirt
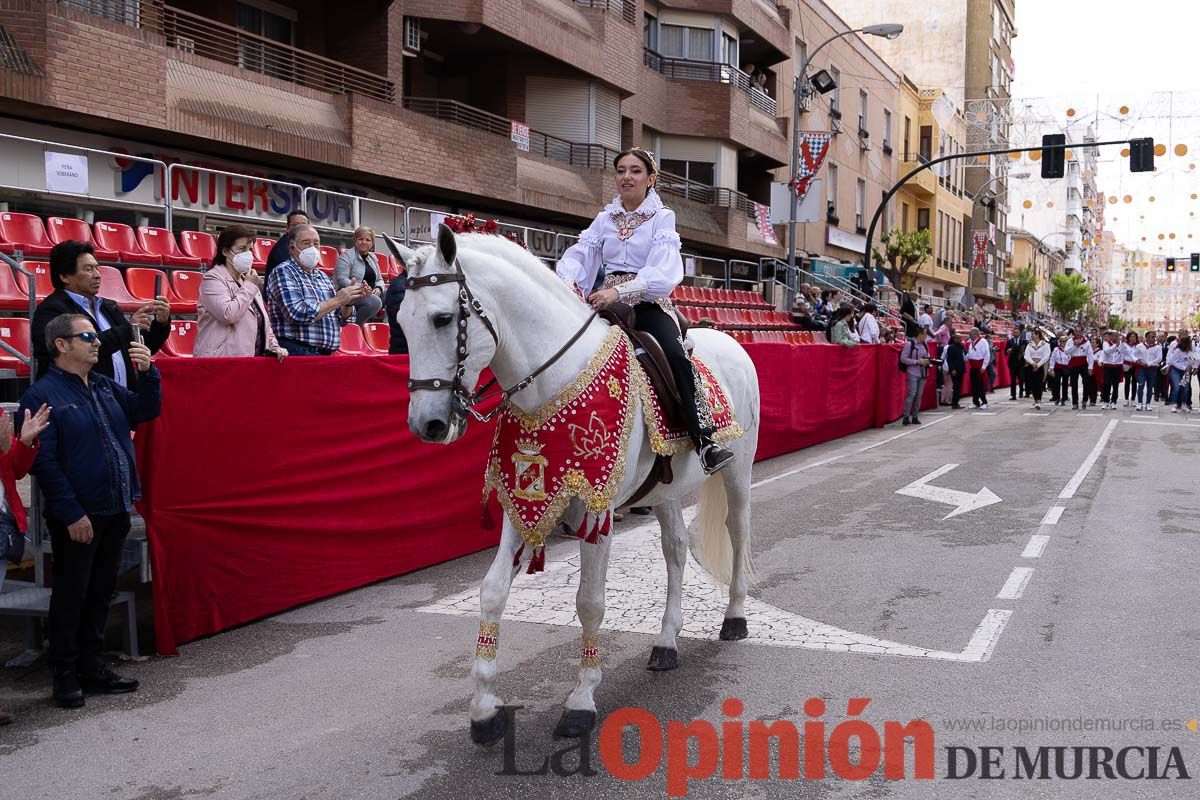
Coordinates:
(306,313)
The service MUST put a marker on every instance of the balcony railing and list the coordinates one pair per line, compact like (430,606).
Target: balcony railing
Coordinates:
(690,70)
(193,33)
(626,8)
(704,194)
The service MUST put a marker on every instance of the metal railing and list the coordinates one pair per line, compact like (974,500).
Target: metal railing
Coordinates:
(690,70)
(192,33)
(669,183)
(588,156)
(356,209)
(627,9)
(133,13)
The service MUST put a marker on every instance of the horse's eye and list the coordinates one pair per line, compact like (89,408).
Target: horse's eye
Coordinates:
(442,320)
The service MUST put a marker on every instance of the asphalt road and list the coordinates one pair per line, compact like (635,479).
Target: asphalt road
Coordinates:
(862,593)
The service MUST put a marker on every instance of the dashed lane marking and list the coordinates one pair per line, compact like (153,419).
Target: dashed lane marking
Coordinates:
(1080,474)
(1014,587)
(1053,515)
(1037,543)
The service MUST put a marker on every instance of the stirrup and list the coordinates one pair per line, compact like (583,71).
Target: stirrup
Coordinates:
(715,457)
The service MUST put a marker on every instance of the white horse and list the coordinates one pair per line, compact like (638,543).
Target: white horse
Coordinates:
(528,315)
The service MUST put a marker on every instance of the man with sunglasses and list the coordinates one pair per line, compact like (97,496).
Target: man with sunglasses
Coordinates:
(86,469)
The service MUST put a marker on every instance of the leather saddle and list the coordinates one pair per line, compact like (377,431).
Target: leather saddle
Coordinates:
(654,362)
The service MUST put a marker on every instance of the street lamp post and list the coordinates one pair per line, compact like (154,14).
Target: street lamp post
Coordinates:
(801,93)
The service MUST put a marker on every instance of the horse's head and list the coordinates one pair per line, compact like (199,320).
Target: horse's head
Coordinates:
(431,316)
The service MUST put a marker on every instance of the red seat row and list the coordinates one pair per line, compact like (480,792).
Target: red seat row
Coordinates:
(706,296)
(368,340)
(779,337)
(740,317)
(148,246)
(131,291)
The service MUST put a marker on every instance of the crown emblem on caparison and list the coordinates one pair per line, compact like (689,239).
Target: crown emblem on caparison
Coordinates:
(530,447)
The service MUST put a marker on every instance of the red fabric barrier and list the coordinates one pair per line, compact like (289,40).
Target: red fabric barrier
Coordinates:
(1003,375)
(267,486)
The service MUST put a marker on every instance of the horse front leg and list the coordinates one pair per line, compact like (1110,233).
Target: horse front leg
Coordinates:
(579,712)
(737,521)
(665,655)
(487,724)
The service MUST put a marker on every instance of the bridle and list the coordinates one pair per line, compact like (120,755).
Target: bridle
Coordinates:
(464,401)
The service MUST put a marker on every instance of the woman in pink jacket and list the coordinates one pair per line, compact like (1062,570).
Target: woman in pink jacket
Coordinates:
(233,320)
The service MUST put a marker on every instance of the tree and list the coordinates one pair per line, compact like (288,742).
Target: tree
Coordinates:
(906,252)
(1115,323)
(1068,294)
(1021,284)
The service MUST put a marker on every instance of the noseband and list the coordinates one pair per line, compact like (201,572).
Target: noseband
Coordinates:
(463,400)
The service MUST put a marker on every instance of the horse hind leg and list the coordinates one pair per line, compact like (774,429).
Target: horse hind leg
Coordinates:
(579,711)
(487,723)
(665,655)
(737,522)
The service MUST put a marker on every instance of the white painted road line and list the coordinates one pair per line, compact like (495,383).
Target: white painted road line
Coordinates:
(985,413)
(1037,543)
(1168,424)
(1073,485)
(831,459)
(1053,515)
(984,640)
(1014,587)
(1037,413)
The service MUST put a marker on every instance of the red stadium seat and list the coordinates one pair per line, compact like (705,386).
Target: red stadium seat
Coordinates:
(387,265)
(329,257)
(182,338)
(115,236)
(140,282)
(186,285)
(14,331)
(353,343)
(199,244)
(26,233)
(41,272)
(377,336)
(13,294)
(112,286)
(161,242)
(62,229)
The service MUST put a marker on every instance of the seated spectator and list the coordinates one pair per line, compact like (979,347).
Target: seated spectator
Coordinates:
(280,252)
(358,264)
(232,316)
(840,333)
(305,311)
(86,468)
(16,457)
(75,274)
(397,341)
(889,336)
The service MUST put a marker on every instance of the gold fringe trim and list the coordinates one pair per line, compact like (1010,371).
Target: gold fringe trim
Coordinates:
(674,447)
(488,641)
(570,394)
(589,654)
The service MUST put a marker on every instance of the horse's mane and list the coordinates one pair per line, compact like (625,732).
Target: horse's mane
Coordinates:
(498,253)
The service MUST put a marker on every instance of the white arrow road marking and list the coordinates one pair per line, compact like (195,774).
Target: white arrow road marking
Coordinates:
(963,501)
(635,597)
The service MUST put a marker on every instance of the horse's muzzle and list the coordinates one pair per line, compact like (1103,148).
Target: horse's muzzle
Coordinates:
(440,431)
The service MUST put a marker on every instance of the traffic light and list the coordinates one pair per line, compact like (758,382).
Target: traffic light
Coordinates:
(1129,295)
(1170,265)
(1054,161)
(1195,262)
(1141,155)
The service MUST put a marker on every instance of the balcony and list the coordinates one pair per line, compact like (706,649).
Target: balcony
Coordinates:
(689,70)
(924,184)
(626,9)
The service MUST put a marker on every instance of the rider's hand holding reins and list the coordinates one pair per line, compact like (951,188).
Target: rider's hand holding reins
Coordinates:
(604,298)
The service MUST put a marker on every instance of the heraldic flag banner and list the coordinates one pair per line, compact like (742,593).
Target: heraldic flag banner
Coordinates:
(813,147)
(981,243)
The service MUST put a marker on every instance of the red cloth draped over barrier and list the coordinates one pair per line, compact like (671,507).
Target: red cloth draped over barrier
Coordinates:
(268,485)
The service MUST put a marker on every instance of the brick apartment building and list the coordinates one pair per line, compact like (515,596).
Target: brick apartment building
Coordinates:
(413,103)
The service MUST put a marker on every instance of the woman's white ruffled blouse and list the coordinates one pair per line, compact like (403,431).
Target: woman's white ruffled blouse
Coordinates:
(643,242)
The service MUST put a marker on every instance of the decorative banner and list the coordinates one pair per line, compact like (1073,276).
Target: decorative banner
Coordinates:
(520,135)
(67,173)
(943,110)
(762,216)
(981,243)
(992,232)
(813,147)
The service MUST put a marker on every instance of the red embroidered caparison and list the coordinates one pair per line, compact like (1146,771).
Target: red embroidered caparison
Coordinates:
(576,444)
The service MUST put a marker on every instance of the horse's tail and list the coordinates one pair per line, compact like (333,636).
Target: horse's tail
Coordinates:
(711,543)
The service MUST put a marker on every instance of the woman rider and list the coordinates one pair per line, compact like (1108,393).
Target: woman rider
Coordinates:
(633,247)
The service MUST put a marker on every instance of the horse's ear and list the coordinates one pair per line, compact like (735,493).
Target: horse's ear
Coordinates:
(403,254)
(446,245)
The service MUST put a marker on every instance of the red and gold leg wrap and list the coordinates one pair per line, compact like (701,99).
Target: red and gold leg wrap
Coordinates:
(589,654)
(488,641)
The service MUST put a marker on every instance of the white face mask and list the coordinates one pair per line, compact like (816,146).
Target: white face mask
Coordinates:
(309,257)
(242,262)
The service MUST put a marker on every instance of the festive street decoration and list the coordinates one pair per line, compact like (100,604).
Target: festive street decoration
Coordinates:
(813,146)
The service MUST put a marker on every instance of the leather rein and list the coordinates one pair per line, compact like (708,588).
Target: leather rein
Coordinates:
(464,400)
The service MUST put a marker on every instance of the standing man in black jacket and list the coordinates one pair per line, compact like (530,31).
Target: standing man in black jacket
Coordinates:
(76,278)
(1014,349)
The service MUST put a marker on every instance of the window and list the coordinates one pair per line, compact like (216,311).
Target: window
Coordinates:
(698,171)
(887,129)
(904,217)
(926,142)
(259,56)
(679,41)
(799,56)
(649,32)
(940,233)
(729,50)
(908,139)
(862,109)
(831,193)
(860,204)
(997,24)
(835,97)
(922,219)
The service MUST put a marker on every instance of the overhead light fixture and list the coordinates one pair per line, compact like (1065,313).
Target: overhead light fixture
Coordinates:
(887,31)
(823,82)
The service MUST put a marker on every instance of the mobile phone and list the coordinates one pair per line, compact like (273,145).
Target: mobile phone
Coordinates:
(158,285)
(137,333)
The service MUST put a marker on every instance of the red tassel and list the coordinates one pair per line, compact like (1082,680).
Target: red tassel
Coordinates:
(594,536)
(485,518)
(581,532)
(537,562)
(517,557)
(607,527)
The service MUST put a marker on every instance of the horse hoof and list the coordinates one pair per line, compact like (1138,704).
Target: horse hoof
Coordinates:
(489,731)
(733,629)
(663,659)
(574,723)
